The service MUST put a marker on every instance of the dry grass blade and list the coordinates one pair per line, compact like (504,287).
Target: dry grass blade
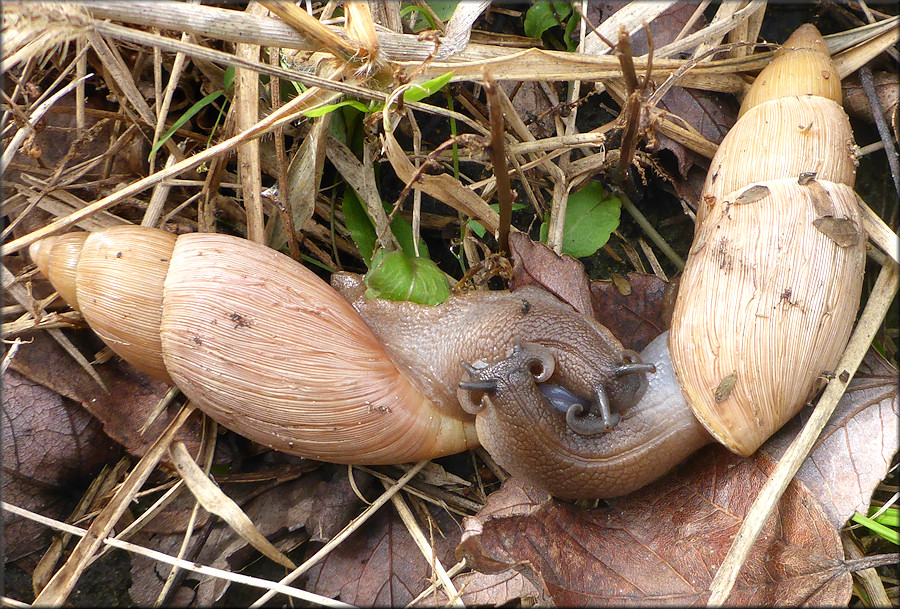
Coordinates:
(246,109)
(28,324)
(183,564)
(498,163)
(869,578)
(425,547)
(459,28)
(61,584)
(32,32)
(216,502)
(120,76)
(99,486)
(321,37)
(360,28)
(879,233)
(854,58)
(10,354)
(632,17)
(346,532)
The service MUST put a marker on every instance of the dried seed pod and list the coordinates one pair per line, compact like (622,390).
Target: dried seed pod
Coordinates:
(773,279)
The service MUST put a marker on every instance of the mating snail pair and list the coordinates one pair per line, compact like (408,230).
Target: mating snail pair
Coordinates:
(267,349)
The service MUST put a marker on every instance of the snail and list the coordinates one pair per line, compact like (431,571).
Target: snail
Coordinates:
(765,307)
(268,349)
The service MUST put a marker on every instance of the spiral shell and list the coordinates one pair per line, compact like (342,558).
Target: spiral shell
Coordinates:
(256,341)
(774,275)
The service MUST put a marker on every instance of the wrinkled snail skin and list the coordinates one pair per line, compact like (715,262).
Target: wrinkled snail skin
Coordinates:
(269,350)
(430,343)
(527,434)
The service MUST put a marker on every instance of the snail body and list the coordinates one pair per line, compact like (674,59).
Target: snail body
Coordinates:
(524,431)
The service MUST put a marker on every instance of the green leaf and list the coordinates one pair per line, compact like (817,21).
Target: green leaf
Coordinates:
(229,77)
(396,276)
(413,94)
(592,214)
(183,119)
(879,529)
(362,229)
(429,87)
(358,223)
(403,231)
(889,518)
(571,39)
(443,8)
(544,15)
(322,110)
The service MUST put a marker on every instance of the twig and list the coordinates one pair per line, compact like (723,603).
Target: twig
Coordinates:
(425,547)
(865,77)
(650,231)
(498,163)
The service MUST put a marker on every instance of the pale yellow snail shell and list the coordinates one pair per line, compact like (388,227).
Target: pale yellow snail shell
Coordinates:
(242,337)
(773,279)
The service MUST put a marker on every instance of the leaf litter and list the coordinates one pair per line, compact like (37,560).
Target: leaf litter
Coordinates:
(705,497)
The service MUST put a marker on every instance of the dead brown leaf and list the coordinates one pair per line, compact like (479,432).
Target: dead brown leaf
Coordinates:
(856,446)
(49,444)
(635,318)
(534,262)
(636,312)
(489,589)
(663,544)
(123,411)
(381,565)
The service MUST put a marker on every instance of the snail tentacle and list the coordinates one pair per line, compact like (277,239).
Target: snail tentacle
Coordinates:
(599,417)
(632,364)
